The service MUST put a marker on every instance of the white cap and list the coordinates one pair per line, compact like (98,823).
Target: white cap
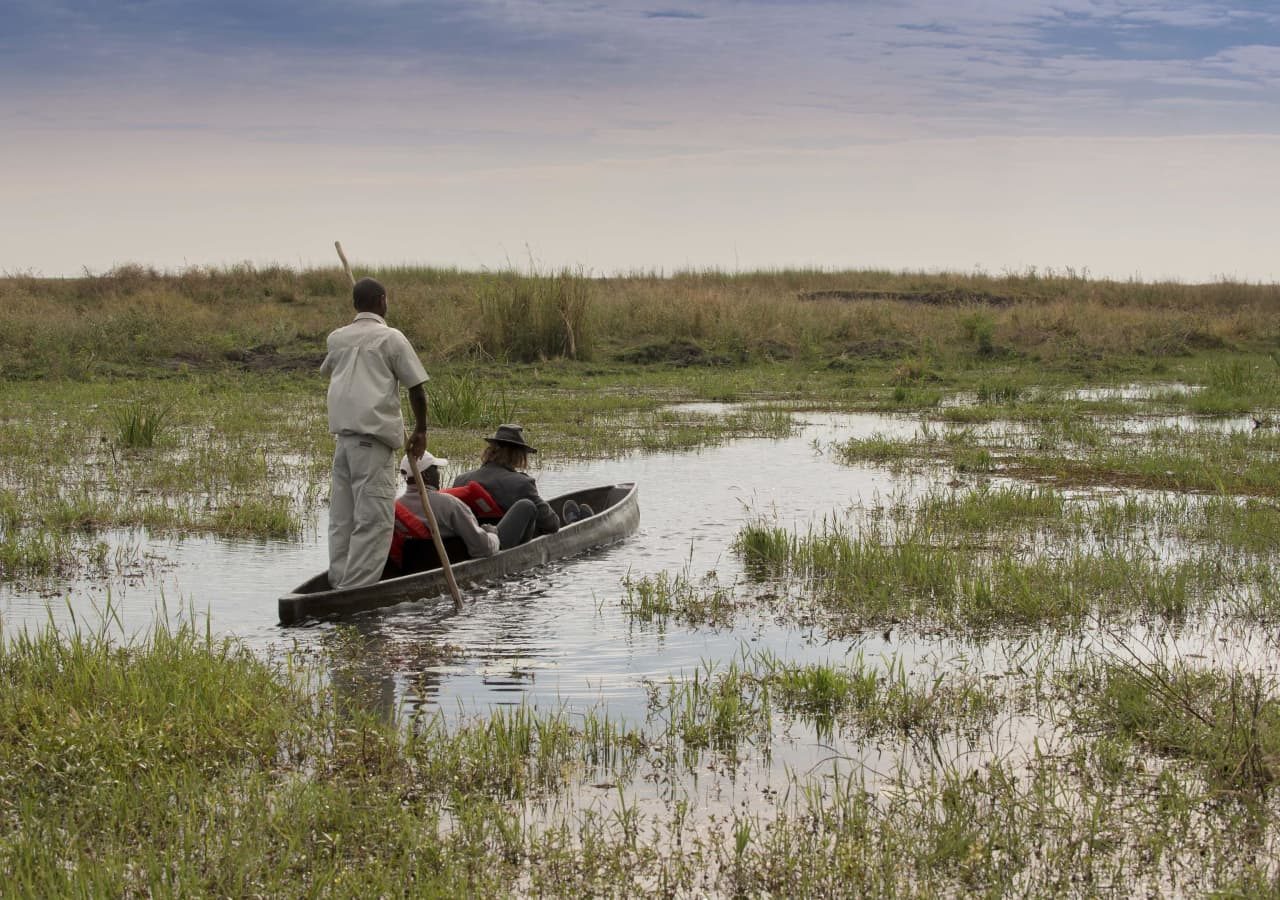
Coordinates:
(426,462)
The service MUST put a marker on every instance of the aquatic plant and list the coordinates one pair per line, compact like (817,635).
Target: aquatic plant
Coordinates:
(273,517)
(141,423)
(466,400)
(1227,722)
(720,710)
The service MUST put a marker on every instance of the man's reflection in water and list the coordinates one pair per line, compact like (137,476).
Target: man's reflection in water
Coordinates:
(393,666)
(370,655)
(518,626)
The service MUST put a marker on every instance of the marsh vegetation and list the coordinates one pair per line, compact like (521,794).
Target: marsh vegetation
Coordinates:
(1035,658)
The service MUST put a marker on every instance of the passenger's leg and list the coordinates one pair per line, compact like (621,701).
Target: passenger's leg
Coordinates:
(373,489)
(340,512)
(518,525)
(570,512)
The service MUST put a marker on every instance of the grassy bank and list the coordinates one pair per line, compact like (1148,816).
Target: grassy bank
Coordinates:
(133,318)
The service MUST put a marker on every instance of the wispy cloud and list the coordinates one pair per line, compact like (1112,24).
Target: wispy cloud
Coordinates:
(673,14)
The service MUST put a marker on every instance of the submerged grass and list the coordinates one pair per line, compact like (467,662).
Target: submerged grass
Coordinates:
(875,699)
(273,517)
(250,458)
(1077,452)
(878,573)
(141,424)
(1227,723)
(662,597)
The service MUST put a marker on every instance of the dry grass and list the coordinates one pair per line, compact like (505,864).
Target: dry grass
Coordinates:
(277,317)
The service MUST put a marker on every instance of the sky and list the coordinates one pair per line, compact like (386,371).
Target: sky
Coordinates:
(1101,137)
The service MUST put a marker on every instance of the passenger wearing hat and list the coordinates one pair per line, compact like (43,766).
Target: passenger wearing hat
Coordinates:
(500,475)
(454,518)
(367,363)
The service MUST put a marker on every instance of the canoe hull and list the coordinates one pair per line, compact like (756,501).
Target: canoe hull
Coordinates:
(617,516)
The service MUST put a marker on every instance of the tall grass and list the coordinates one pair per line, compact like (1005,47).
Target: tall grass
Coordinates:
(532,317)
(200,317)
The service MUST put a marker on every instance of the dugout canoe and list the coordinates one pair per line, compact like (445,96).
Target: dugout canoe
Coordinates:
(617,516)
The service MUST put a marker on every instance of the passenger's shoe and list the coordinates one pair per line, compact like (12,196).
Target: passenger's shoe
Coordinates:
(573,511)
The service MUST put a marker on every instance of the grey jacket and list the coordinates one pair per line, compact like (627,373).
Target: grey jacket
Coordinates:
(507,486)
(454,519)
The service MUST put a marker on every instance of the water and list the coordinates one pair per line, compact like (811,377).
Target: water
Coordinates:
(556,636)
(559,638)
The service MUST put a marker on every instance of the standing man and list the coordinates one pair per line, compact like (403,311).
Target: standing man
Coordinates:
(366,364)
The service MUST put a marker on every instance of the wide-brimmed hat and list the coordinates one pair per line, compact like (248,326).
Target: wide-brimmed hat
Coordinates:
(511,436)
(426,462)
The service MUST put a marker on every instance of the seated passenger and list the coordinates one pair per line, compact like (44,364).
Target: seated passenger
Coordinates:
(453,518)
(501,479)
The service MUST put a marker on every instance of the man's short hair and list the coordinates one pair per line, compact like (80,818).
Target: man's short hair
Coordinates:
(367,292)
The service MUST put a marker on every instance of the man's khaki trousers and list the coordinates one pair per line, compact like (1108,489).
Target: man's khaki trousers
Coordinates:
(361,510)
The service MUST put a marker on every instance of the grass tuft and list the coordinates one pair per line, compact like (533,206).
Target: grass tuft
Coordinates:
(141,424)
(465,400)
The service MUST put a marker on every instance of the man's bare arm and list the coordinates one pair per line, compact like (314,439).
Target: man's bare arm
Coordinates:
(418,403)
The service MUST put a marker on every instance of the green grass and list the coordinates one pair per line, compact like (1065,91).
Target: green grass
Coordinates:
(1076,451)
(467,400)
(271,517)
(722,711)
(874,700)
(141,424)
(657,599)
(178,763)
(1227,723)
(980,758)
(874,575)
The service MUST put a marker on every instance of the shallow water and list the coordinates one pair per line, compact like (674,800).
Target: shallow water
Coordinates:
(555,636)
(559,638)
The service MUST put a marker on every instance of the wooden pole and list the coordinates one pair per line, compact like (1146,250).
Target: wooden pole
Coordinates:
(417,479)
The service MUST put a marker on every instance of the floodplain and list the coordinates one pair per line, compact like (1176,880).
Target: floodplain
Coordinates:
(944,585)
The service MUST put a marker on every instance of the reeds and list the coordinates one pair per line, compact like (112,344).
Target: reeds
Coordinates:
(532,317)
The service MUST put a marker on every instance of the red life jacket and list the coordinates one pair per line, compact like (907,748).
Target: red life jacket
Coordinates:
(407,526)
(479,500)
